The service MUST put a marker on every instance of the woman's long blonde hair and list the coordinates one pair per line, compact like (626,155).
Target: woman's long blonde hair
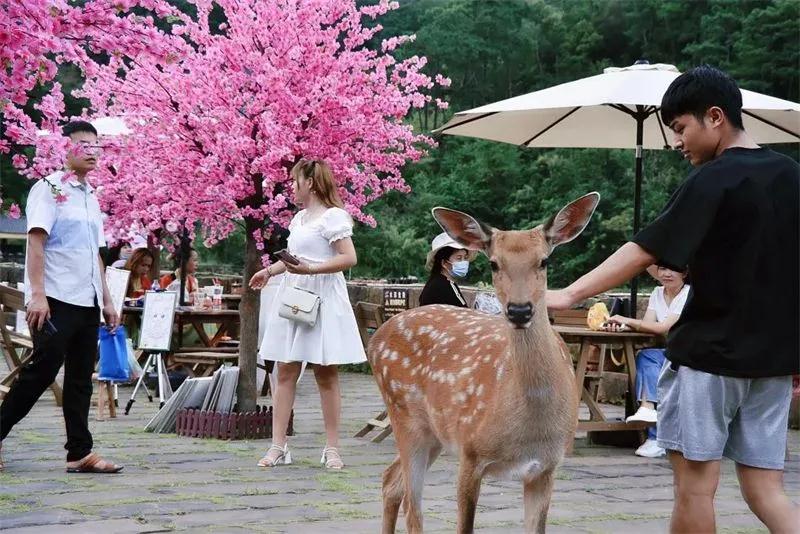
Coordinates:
(322,182)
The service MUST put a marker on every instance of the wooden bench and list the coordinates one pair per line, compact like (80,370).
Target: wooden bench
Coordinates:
(369,317)
(203,363)
(17,348)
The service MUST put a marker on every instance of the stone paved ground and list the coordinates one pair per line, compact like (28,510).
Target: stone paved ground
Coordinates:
(192,485)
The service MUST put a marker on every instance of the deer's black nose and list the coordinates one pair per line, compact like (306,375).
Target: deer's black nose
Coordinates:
(519,314)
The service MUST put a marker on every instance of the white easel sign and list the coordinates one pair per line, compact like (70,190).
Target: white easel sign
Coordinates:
(117,282)
(158,317)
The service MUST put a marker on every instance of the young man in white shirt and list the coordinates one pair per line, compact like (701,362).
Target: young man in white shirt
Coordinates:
(64,290)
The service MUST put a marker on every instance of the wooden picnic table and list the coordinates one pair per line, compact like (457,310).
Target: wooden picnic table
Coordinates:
(586,338)
(227,322)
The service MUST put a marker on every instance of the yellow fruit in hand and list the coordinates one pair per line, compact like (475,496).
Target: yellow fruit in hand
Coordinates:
(598,315)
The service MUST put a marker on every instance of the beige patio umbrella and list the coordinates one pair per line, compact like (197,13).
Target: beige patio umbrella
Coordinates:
(615,109)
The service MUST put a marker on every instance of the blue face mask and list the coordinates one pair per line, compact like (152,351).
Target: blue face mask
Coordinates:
(460,269)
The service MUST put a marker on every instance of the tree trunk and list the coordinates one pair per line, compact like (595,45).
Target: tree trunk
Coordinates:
(155,269)
(247,391)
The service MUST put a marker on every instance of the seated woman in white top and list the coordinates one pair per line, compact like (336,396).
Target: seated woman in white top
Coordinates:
(663,310)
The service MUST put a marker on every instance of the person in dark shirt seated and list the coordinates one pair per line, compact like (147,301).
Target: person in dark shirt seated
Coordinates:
(447,261)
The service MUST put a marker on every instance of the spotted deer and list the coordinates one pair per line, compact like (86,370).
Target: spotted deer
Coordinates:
(498,391)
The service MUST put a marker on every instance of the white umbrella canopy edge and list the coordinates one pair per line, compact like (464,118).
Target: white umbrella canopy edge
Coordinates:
(602,127)
(105,126)
(585,112)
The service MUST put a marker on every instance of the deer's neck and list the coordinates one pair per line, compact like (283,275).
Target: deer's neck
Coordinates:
(534,357)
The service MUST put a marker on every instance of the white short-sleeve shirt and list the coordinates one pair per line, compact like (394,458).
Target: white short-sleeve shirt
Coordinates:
(659,304)
(74,236)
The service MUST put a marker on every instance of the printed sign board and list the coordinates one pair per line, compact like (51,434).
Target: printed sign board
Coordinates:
(117,281)
(157,319)
(395,300)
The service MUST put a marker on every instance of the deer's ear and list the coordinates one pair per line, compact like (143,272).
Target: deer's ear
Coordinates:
(568,223)
(465,229)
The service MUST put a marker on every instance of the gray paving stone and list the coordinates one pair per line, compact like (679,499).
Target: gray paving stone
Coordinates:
(194,485)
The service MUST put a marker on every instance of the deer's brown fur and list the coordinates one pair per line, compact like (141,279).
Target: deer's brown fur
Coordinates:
(498,391)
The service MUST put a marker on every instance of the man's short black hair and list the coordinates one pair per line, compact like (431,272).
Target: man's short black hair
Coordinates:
(77,126)
(697,90)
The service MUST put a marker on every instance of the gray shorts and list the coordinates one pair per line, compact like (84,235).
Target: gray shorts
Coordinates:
(706,416)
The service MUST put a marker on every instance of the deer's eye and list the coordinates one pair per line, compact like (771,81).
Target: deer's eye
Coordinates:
(493,266)
(545,263)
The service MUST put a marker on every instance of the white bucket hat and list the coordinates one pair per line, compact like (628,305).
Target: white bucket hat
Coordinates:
(443,240)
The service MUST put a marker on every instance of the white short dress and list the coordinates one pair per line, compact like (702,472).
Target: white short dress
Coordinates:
(334,339)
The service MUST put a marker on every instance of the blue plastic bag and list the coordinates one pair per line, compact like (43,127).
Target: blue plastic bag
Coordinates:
(113,355)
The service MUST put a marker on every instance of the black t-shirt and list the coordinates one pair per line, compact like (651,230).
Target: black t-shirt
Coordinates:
(439,290)
(734,222)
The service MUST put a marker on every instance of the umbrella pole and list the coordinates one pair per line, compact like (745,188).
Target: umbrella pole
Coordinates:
(637,197)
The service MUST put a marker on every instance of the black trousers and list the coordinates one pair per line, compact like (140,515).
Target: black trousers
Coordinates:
(74,346)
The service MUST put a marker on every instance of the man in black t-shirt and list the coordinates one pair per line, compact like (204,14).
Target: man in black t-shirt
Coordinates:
(727,386)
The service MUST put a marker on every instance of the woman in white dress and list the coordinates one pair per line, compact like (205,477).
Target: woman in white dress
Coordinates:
(320,237)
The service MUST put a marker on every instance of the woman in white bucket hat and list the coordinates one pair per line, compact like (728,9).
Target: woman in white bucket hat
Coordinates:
(447,261)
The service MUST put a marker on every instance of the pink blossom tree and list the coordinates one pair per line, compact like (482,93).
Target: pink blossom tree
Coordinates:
(36,37)
(217,130)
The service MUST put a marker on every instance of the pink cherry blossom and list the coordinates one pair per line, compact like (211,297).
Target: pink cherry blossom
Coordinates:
(216,130)
(38,35)
(14,211)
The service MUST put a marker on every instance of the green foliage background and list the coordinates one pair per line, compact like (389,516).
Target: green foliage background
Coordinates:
(495,49)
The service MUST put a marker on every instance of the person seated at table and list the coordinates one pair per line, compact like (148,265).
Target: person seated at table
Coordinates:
(119,255)
(447,261)
(171,280)
(663,310)
(139,264)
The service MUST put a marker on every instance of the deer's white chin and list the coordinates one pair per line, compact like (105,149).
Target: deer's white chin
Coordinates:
(524,326)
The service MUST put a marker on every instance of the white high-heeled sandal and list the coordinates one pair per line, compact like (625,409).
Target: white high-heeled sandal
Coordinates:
(285,457)
(331,458)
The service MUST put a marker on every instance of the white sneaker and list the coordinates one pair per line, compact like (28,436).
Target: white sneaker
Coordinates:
(650,449)
(648,415)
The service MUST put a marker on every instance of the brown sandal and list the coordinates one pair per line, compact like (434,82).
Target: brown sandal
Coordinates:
(92,463)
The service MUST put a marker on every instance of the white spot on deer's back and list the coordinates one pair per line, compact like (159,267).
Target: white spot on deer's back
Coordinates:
(500,372)
(479,390)
(406,362)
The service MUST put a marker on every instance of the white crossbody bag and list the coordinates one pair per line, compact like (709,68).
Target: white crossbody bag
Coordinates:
(299,305)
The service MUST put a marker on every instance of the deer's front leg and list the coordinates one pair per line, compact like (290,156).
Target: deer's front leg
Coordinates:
(469,488)
(536,500)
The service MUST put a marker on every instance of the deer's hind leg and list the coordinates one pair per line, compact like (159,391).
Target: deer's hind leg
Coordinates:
(393,492)
(417,446)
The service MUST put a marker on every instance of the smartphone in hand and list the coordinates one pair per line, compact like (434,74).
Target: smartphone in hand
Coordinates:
(285,257)
(43,335)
